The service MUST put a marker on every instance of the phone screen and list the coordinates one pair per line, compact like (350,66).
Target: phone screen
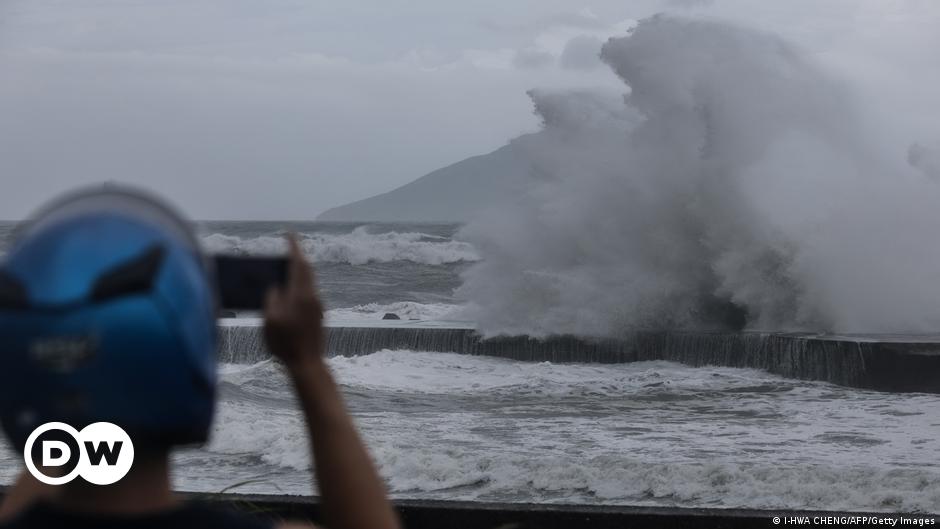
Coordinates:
(243,282)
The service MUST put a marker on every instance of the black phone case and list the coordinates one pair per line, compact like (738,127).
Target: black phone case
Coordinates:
(243,282)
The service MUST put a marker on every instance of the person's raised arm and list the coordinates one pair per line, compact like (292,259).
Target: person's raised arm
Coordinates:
(352,493)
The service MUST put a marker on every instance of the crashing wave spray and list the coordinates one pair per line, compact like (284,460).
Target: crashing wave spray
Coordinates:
(732,187)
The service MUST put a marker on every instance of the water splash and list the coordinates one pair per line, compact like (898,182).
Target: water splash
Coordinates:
(734,186)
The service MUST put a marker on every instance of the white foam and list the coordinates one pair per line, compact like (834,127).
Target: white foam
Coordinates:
(357,247)
(449,373)
(623,479)
(277,437)
(459,427)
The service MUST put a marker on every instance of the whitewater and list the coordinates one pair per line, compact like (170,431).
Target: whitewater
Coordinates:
(454,427)
(447,426)
(357,247)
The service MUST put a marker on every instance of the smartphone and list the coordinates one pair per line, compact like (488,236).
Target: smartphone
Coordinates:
(243,282)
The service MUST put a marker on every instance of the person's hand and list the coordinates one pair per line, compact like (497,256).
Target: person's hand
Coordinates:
(293,315)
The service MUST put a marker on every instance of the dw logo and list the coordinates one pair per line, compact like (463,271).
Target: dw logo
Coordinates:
(102,453)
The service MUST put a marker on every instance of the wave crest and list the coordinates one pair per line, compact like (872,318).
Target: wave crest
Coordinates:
(356,248)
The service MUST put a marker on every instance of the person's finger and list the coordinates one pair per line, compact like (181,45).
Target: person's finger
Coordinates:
(272,301)
(300,276)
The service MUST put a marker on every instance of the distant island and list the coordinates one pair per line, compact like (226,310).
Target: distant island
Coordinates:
(455,193)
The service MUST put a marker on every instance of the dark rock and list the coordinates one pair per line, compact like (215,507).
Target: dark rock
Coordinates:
(390,316)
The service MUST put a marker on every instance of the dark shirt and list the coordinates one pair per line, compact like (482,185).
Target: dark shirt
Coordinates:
(190,515)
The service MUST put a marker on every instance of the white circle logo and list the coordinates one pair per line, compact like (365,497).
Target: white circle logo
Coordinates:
(101,453)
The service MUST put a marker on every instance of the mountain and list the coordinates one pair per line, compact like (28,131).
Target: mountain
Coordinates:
(453,194)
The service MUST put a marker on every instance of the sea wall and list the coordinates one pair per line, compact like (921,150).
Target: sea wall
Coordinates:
(882,363)
(418,514)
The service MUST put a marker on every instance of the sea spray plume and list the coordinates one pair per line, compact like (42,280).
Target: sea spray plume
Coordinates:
(732,185)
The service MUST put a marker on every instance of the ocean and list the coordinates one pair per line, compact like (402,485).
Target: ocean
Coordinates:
(448,426)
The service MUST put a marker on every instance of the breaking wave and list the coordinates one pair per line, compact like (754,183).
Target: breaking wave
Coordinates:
(356,248)
(736,185)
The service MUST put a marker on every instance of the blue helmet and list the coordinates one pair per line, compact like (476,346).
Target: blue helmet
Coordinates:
(107,313)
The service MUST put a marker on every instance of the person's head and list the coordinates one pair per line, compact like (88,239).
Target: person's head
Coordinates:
(107,313)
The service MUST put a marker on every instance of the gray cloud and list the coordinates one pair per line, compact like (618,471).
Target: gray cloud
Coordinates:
(582,53)
(284,108)
(925,159)
(580,20)
(688,3)
(530,58)
(586,20)
(241,138)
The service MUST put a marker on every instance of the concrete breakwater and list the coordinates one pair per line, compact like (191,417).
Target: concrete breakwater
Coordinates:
(888,363)
(417,514)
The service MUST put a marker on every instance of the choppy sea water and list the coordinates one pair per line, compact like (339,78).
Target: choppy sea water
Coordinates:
(448,426)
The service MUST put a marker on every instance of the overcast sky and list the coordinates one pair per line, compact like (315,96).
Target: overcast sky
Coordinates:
(279,109)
